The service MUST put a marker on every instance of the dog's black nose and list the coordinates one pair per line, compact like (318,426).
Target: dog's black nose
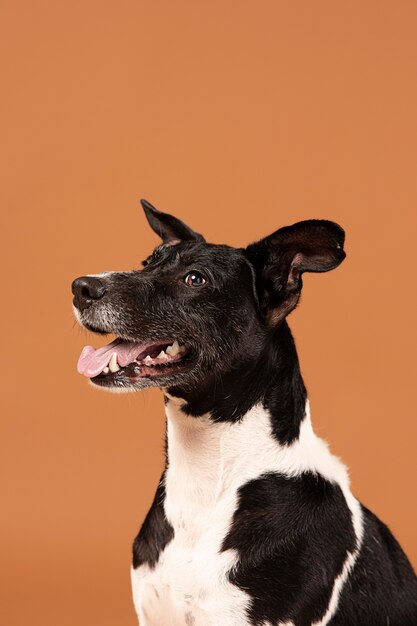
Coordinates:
(86,289)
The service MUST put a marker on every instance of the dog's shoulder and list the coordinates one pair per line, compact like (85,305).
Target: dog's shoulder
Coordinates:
(292,534)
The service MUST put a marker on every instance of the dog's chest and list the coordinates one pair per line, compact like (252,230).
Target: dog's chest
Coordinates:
(189,583)
(190,580)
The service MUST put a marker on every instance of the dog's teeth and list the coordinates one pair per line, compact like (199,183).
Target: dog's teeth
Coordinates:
(174,349)
(147,359)
(162,355)
(113,365)
(181,349)
(106,370)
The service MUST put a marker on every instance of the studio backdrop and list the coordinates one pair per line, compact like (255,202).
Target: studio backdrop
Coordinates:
(239,118)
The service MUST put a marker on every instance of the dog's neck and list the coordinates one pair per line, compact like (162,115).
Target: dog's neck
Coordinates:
(268,375)
(207,462)
(255,421)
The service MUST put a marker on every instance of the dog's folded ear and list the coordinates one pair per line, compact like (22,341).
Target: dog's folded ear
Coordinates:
(281,258)
(169,228)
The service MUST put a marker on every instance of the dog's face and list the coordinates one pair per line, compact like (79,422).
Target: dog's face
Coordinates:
(196,310)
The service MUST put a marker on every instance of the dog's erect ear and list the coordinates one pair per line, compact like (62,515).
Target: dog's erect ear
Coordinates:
(169,228)
(281,258)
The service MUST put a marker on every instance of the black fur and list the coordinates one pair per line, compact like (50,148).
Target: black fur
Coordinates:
(270,375)
(156,532)
(282,529)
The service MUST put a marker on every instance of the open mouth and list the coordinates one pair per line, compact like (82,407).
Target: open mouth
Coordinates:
(129,359)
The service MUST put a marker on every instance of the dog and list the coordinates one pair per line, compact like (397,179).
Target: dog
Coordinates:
(253,521)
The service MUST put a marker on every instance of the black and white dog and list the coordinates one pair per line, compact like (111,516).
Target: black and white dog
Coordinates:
(253,521)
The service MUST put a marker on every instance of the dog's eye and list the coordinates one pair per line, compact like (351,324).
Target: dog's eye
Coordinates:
(194,279)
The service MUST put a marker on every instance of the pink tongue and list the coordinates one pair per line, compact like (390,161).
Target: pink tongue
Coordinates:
(92,362)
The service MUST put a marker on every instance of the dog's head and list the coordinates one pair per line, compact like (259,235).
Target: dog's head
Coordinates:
(196,310)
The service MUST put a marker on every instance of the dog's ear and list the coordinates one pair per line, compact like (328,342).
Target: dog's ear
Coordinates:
(281,258)
(169,228)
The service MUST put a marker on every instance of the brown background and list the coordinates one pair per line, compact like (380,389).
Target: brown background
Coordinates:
(239,117)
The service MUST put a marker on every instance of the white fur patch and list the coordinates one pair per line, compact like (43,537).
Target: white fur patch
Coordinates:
(207,463)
